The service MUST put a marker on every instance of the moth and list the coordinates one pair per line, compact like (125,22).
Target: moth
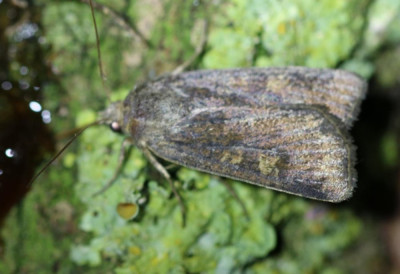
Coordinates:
(280,128)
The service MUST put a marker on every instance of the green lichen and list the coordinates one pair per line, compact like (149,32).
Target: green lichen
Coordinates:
(279,33)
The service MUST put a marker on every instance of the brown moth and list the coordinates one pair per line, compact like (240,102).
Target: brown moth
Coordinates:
(279,128)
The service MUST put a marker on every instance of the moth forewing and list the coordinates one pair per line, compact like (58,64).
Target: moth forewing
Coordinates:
(280,128)
(340,91)
(297,149)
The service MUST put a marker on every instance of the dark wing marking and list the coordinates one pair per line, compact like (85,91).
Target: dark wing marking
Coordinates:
(340,91)
(298,149)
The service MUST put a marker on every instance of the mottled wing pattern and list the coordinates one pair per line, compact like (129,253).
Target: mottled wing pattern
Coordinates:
(340,91)
(298,149)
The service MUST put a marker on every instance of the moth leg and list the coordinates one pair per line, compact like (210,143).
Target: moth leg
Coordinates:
(237,198)
(160,168)
(170,166)
(127,142)
(199,50)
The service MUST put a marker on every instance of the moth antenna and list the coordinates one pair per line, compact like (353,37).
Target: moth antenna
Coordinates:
(68,133)
(122,21)
(101,69)
(76,135)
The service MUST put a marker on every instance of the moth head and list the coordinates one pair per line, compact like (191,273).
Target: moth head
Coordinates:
(113,116)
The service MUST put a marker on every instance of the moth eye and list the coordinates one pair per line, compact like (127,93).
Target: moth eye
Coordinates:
(115,126)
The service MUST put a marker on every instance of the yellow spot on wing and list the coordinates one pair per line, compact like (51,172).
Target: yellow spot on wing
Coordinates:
(232,157)
(268,165)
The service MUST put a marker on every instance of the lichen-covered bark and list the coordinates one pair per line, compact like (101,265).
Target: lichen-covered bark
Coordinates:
(218,237)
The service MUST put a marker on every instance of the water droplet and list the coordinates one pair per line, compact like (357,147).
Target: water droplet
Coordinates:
(35,106)
(6,85)
(23,84)
(23,70)
(46,116)
(10,153)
